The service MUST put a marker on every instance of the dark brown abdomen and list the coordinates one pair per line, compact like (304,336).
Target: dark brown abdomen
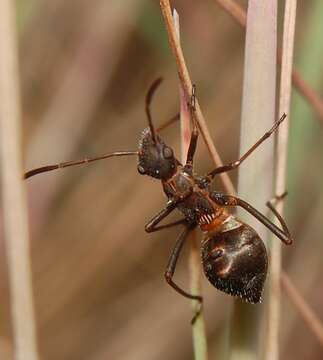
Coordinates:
(235,261)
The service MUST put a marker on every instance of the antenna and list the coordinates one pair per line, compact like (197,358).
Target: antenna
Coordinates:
(47,168)
(149,97)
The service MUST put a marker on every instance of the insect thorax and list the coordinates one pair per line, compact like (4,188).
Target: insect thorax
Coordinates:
(197,207)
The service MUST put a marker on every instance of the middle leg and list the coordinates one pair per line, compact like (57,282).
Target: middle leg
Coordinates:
(195,133)
(235,164)
(151,226)
(172,262)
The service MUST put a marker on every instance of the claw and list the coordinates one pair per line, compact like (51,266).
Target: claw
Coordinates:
(278,197)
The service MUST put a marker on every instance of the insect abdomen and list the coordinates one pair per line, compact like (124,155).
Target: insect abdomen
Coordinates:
(235,261)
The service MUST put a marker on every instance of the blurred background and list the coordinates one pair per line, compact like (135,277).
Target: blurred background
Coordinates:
(98,277)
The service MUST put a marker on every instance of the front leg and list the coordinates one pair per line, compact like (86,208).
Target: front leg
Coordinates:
(151,226)
(194,133)
(171,205)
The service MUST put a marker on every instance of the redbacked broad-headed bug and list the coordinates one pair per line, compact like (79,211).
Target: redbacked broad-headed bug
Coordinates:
(234,257)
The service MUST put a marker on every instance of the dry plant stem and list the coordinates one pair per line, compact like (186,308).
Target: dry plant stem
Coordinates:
(235,10)
(314,99)
(198,328)
(274,297)
(227,183)
(258,114)
(187,86)
(14,200)
(308,93)
(307,314)
(185,118)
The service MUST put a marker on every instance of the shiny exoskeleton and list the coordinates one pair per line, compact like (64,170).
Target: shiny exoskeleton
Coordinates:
(234,257)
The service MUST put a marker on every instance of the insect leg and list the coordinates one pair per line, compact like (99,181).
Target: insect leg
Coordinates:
(171,266)
(168,122)
(151,225)
(235,164)
(149,96)
(228,200)
(161,227)
(195,133)
(276,213)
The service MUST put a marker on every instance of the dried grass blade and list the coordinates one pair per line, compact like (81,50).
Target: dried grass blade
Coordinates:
(198,328)
(274,297)
(14,199)
(258,114)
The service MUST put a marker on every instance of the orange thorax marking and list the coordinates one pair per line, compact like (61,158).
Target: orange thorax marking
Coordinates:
(216,223)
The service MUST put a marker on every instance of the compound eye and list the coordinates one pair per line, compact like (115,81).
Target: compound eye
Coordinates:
(141,170)
(168,152)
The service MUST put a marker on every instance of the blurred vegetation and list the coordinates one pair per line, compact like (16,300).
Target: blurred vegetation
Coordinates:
(98,277)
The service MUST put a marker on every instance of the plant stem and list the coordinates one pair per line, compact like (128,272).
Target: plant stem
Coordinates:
(308,92)
(198,328)
(187,86)
(186,82)
(304,134)
(307,314)
(258,114)
(14,199)
(274,296)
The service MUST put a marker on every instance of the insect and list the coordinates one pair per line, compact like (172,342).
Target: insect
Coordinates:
(234,257)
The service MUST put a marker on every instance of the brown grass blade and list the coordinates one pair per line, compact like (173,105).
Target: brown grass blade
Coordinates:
(198,328)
